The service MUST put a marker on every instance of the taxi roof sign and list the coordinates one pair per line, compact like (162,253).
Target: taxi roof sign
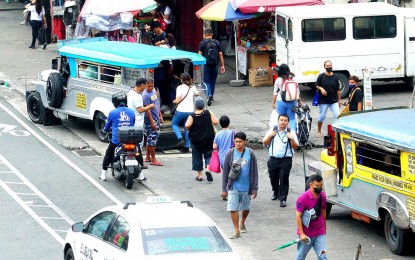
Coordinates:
(158,199)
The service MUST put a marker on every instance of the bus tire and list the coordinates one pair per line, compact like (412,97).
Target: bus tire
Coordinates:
(344,85)
(54,90)
(35,108)
(397,238)
(99,124)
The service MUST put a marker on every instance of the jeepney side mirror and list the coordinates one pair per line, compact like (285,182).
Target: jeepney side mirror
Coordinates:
(55,64)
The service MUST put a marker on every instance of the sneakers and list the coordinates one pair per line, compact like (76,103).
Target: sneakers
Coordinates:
(103,176)
(210,101)
(141,177)
(180,143)
(185,150)
(283,204)
(235,235)
(209,176)
(243,228)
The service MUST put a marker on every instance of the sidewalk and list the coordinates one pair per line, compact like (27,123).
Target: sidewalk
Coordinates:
(248,108)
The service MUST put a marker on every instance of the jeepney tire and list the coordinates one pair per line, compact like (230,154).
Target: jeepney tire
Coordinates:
(54,90)
(35,108)
(99,124)
(328,209)
(69,254)
(397,239)
(344,85)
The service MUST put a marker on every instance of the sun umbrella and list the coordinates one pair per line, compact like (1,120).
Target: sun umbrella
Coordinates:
(290,244)
(221,10)
(259,6)
(111,7)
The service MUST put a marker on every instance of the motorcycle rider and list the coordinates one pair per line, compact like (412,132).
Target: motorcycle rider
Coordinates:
(120,116)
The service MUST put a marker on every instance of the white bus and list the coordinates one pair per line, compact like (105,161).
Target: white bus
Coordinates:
(374,36)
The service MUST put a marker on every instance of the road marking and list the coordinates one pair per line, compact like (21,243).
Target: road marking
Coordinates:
(27,207)
(10,130)
(63,157)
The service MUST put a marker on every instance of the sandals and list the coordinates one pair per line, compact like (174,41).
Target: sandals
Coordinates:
(199,178)
(156,164)
(209,176)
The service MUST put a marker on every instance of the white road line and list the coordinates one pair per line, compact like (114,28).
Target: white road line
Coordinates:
(14,182)
(32,213)
(63,157)
(51,218)
(35,190)
(38,206)
(26,194)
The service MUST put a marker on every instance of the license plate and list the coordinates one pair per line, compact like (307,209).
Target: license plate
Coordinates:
(131,163)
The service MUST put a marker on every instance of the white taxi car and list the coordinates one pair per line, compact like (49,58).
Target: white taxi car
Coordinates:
(157,229)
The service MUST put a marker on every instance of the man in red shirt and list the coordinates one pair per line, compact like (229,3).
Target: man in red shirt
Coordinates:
(311,220)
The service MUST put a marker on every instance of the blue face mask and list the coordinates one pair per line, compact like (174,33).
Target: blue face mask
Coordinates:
(352,85)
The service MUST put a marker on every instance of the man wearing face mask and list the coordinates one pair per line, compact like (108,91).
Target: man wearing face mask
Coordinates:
(328,86)
(313,236)
(355,101)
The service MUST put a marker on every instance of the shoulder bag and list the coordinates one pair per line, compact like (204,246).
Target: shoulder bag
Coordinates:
(346,109)
(236,167)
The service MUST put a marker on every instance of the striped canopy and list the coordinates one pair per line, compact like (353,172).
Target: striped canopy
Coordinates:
(221,10)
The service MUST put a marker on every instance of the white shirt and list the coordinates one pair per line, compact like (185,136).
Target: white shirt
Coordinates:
(279,146)
(134,101)
(277,87)
(187,104)
(167,11)
(34,16)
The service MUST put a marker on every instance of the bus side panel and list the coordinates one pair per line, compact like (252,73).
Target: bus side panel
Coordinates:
(410,46)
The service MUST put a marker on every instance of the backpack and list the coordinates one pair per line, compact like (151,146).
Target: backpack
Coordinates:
(211,53)
(290,90)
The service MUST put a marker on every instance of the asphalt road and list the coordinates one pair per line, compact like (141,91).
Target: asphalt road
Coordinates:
(72,184)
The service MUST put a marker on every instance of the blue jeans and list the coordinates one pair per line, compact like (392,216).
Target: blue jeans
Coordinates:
(323,111)
(177,119)
(198,155)
(285,108)
(210,74)
(317,243)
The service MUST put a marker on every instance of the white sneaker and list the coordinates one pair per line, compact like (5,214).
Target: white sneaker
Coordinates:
(103,176)
(141,176)
(22,22)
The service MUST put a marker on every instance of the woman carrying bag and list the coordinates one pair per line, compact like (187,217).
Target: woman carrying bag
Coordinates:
(37,15)
(183,109)
(355,102)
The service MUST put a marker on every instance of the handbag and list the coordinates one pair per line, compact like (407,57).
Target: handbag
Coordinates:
(236,167)
(315,99)
(214,165)
(346,109)
(174,107)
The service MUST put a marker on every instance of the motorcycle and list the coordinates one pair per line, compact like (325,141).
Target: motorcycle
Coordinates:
(125,166)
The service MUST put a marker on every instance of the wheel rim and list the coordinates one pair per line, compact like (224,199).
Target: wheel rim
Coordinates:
(48,91)
(341,85)
(35,109)
(393,231)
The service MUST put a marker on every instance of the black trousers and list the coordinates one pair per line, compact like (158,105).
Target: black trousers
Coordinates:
(109,156)
(35,31)
(279,173)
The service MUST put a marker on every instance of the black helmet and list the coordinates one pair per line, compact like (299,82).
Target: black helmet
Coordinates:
(119,99)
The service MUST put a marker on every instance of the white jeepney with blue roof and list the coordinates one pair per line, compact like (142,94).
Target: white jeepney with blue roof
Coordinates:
(91,70)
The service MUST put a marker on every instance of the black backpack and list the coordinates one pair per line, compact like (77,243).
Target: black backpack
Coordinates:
(211,53)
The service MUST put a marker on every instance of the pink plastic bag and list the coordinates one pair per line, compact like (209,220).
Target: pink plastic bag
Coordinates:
(214,165)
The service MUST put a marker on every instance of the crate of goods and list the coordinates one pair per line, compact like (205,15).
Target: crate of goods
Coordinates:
(258,60)
(260,77)
(130,134)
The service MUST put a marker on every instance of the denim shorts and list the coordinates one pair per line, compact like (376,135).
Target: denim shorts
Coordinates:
(238,200)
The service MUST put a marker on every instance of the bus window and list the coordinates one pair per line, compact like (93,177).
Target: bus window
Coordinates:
(327,29)
(378,159)
(281,26)
(374,27)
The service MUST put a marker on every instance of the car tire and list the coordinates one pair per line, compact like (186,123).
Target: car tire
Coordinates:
(344,85)
(397,238)
(35,108)
(69,254)
(99,125)
(54,90)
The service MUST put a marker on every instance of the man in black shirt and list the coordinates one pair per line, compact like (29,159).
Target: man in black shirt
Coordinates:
(159,35)
(329,89)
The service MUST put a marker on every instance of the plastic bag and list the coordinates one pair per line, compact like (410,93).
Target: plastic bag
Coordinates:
(214,165)
(315,99)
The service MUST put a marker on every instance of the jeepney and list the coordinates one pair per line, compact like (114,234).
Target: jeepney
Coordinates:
(89,71)
(368,167)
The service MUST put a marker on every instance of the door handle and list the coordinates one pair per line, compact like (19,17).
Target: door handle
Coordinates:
(95,250)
